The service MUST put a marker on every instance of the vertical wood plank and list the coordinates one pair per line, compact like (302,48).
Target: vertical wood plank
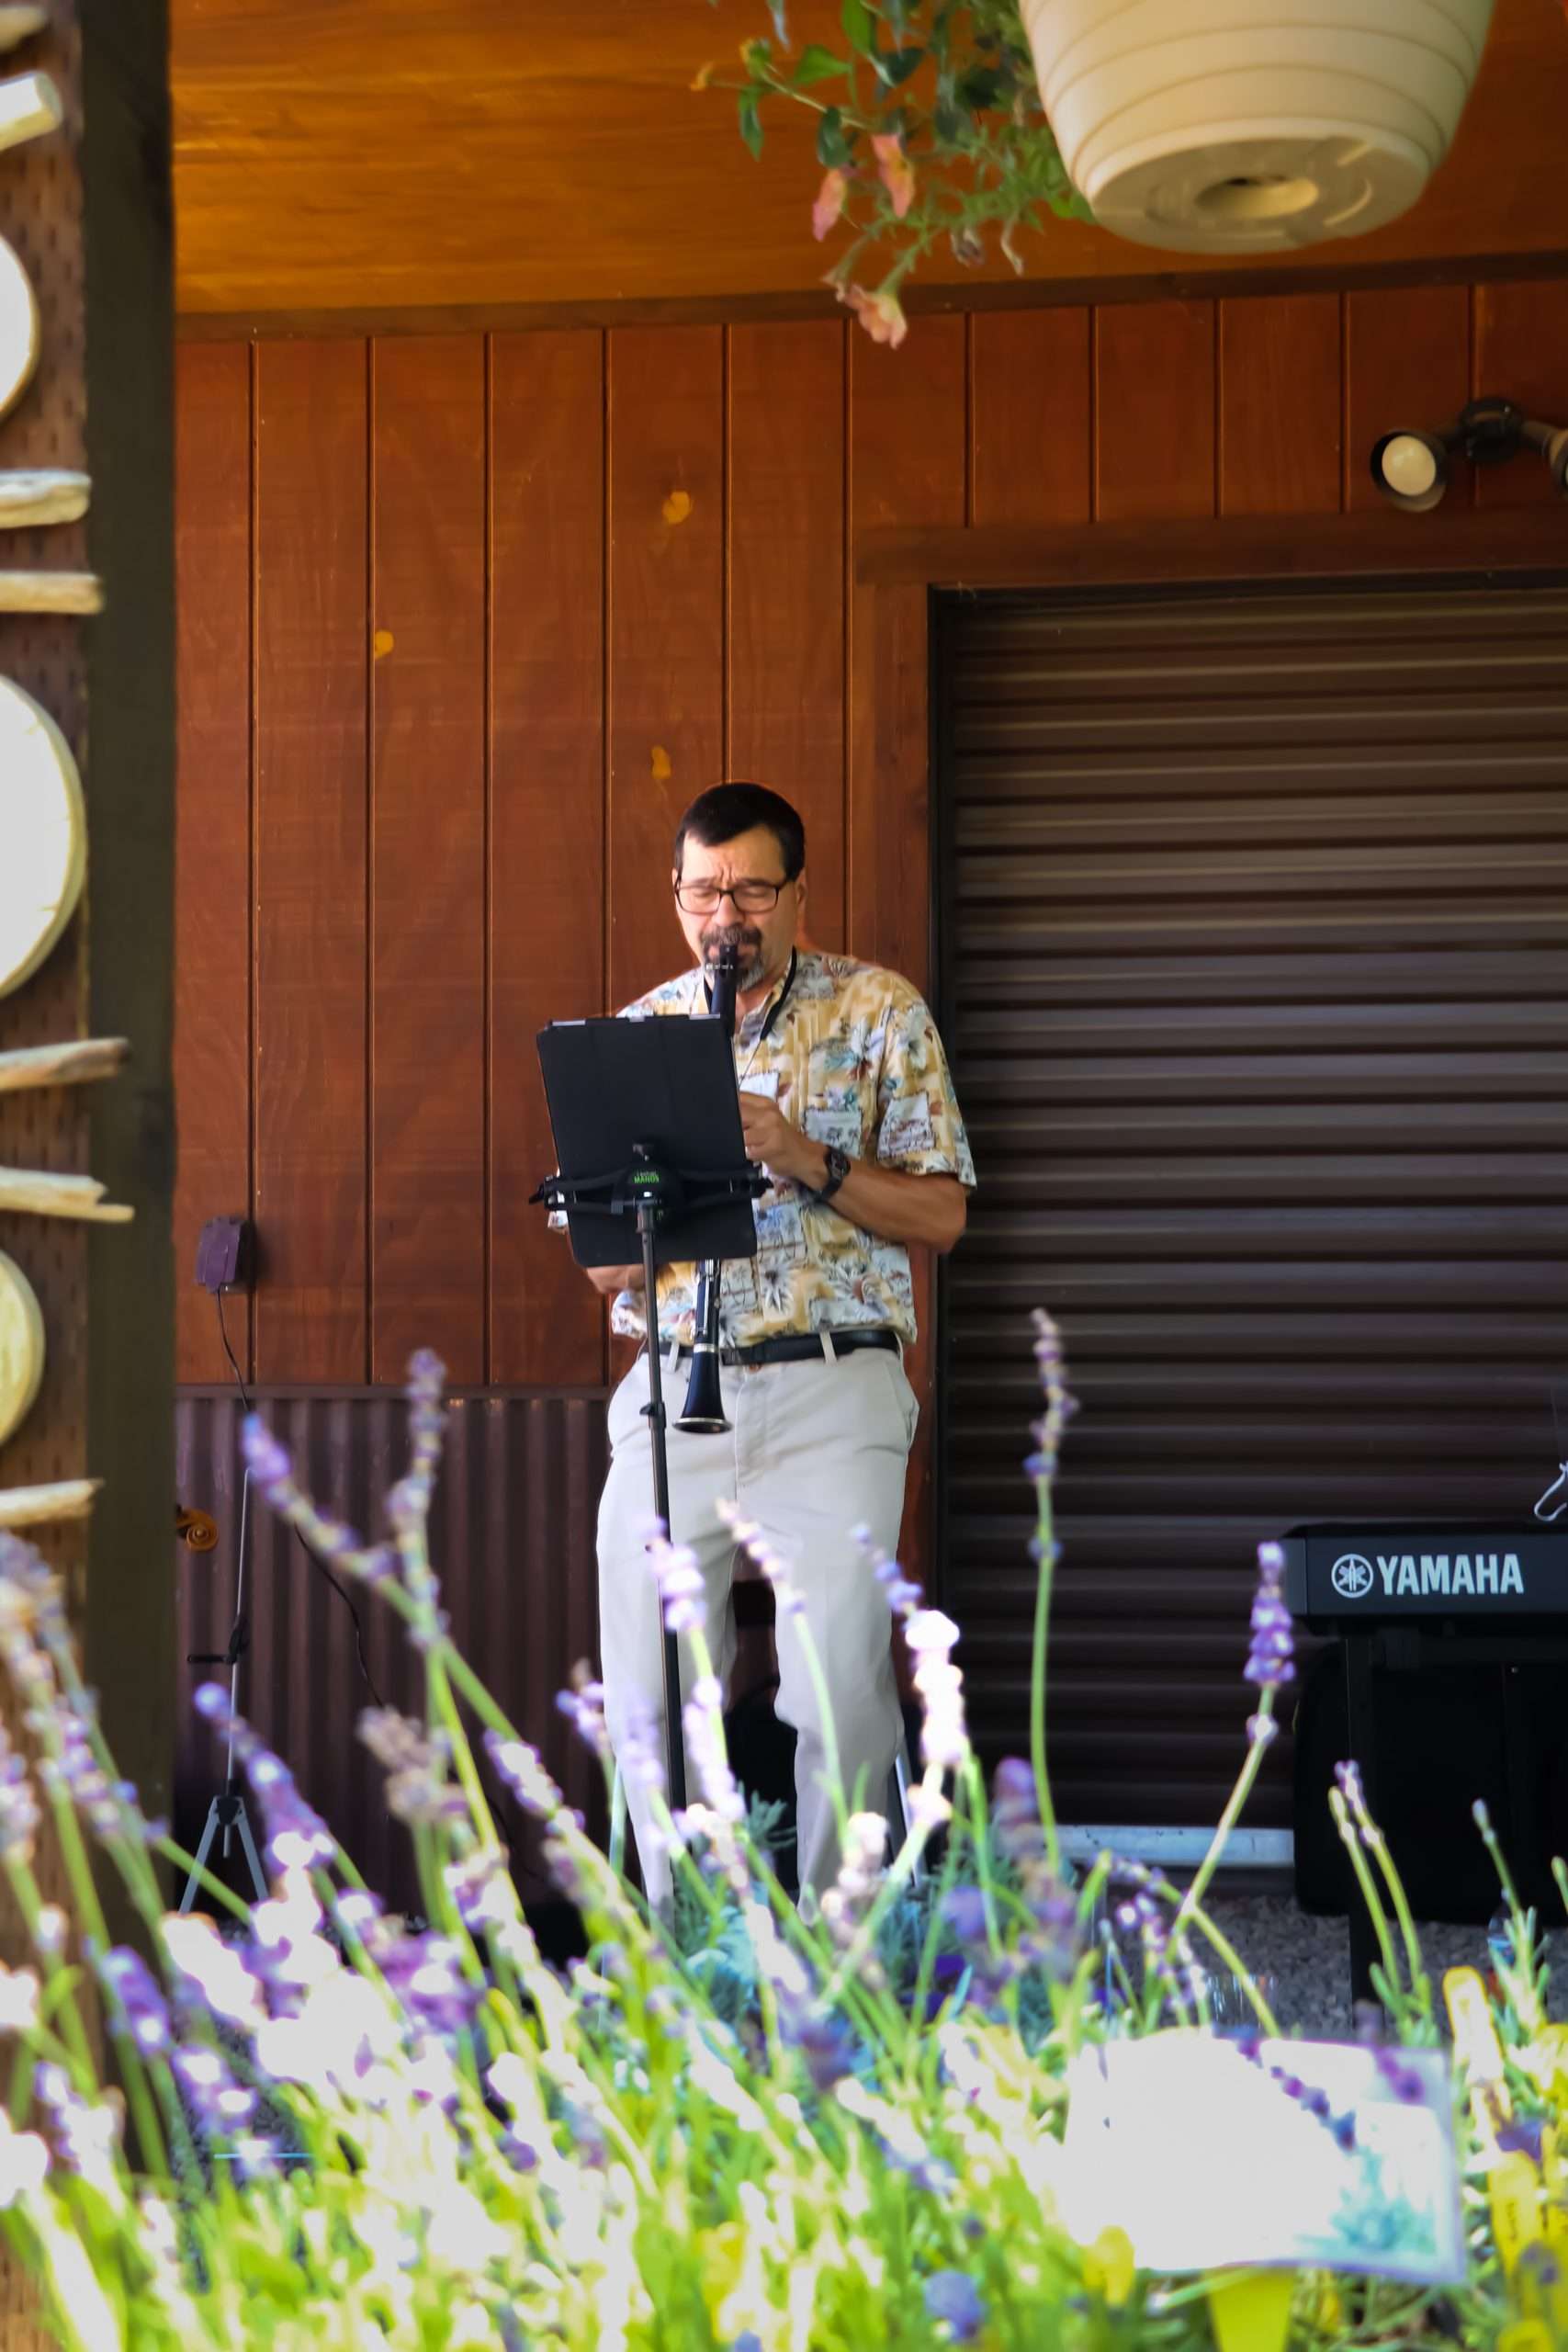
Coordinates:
(1407,363)
(545,912)
(213,831)
(666,623)
(311,850)
(1521,352)
(1154,395)
(907,427)
(907,430)
(1281,405)
(427,989)
(1030,417)
(785,634)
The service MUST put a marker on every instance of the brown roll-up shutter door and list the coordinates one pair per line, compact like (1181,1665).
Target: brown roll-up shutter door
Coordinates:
(1253,966)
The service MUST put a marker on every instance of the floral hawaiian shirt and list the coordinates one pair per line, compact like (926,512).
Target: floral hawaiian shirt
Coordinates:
(852,1056)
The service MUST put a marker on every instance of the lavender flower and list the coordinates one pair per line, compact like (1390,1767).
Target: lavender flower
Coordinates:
(272,1474)
(297,1837)
(415,1762)
(521,1772)
(136,1999)
(1269,1660)
(427,1411)
(953,2298)
(681,1592)
(788,1600)
(844,1904)
(584,1705)
(930,1635)
(85,2132)
(215,2101)
(902,1596)
(1059,1407)
(18,1806)
(704,1720)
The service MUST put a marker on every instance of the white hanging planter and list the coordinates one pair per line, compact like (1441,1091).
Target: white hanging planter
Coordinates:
(1252,126)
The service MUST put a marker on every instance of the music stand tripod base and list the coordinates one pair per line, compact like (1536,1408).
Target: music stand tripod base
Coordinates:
(227,1812)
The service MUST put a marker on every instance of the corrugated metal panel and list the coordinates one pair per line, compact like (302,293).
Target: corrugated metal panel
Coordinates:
(1255,977)
(513,1539)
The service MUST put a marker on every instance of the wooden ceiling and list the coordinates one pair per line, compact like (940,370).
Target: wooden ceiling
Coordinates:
(496,157)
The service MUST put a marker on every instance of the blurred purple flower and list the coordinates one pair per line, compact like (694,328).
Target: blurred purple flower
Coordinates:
(952,2296)
(681,1592)
(1269,1660)
(217,2103)
(427,1410)
(297,1837)
(1059,1407)
(135,1993)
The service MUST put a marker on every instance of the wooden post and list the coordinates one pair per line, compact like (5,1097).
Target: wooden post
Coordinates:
(86,212)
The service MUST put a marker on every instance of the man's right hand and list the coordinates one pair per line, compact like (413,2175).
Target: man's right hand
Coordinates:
(612,1280)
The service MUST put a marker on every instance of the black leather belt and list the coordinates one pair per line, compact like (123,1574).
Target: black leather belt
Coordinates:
(798,1347)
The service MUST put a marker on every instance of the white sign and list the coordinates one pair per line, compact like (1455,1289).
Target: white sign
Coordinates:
(1315,2155)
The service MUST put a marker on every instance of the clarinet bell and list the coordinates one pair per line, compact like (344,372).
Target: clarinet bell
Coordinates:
(702,1414)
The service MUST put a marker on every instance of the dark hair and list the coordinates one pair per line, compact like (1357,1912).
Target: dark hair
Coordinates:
(717,814)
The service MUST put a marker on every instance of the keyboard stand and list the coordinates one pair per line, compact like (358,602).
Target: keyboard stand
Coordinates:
(1405,1649)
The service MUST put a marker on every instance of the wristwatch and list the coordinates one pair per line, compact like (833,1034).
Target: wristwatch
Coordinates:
(839,1165)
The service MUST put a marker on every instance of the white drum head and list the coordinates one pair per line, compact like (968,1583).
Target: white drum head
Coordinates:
(21,1347)
(19,330)
(43,836)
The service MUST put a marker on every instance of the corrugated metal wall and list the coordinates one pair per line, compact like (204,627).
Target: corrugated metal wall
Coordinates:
(1257,989)
(512,1537)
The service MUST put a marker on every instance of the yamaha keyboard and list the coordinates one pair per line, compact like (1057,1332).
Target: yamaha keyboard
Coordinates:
(1343,1578)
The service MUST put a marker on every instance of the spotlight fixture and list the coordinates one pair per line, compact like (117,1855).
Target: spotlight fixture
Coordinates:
(1411,469)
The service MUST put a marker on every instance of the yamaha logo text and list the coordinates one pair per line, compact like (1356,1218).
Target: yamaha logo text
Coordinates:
(1472,1575)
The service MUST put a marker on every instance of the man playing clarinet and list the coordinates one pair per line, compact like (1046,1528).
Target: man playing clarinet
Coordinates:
(847,1105)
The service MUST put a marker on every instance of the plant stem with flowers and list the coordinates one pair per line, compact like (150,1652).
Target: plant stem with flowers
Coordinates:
(930,132)
(463,2150)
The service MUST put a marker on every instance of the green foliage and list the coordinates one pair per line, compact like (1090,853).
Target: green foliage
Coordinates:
(734,2129)
(939,135)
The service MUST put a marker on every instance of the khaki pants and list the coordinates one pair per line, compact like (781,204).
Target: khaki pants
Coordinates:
(817,1448)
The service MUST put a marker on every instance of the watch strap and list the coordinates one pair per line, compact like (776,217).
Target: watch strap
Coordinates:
(837,1169)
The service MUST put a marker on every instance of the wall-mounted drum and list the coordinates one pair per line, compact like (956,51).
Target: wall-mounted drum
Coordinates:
(44,828)
(21,1347)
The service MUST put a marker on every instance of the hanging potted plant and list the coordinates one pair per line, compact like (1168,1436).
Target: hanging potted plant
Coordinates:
(1206,125)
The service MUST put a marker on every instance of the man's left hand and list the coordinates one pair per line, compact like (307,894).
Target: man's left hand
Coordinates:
(779,1147)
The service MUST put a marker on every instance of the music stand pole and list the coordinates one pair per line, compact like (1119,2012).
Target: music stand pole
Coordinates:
(620,1093)
(674,1742)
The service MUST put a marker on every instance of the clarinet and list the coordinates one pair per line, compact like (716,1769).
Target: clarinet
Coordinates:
(703,1411)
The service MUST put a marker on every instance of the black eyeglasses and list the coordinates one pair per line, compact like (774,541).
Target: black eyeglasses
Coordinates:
(750,897)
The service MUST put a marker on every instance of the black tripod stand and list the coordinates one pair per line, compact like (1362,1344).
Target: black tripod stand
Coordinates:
(619,1093)
(227,1811)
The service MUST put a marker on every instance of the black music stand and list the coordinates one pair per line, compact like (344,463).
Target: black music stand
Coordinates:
(646,1117)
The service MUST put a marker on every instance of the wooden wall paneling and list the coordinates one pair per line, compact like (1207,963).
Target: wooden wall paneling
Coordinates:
(1407,363)
(907,436)
(546,914)
(1154,395)
(311,849)
(785,638)
(666,626)
(212,832)
(1281,405)
(427,889)
(908,429)
(1030,417)
(1521,352)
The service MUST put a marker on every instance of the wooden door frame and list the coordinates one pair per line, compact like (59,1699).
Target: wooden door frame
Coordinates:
(894,575)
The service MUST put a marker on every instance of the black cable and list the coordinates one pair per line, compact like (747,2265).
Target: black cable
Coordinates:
(346,1599)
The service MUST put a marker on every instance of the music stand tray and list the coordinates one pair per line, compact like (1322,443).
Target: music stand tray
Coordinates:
(646,1117)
